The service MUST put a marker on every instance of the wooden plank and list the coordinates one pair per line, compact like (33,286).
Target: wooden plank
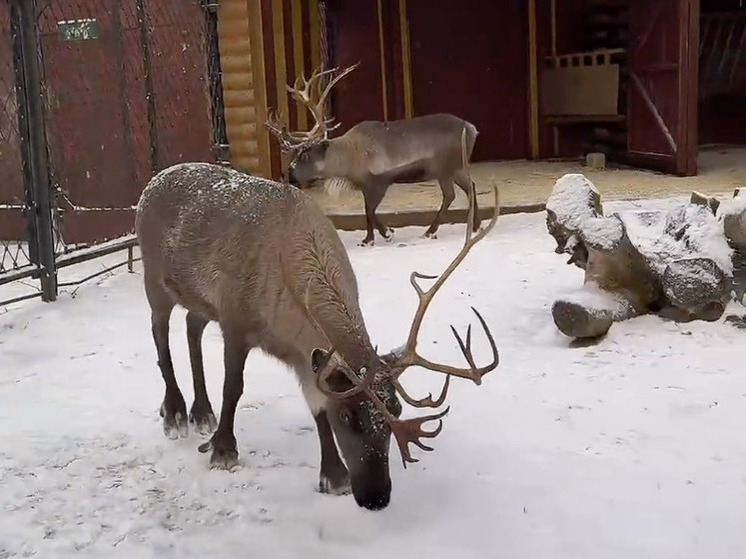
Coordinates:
(406,55)
(238,84)
(686,158)
(298,55)
(256,37)
(579,119)
(382,53)
(533,104)
(314,13)
(580,90)
(280,69)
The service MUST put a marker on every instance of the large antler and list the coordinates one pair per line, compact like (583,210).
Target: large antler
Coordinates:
(408,431)
(407,356)
(302,93)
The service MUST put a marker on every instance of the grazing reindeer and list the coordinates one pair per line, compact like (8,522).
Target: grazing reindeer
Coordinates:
(372,155)
(264,262)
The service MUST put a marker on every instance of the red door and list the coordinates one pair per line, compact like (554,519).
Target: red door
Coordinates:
(95,114)
(663,66)
(470,58)
(97,110)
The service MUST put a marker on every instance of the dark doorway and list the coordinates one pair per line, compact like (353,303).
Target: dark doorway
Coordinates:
(722,72)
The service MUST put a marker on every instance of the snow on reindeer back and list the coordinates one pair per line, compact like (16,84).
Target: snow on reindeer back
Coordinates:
(686,232)
(573,200)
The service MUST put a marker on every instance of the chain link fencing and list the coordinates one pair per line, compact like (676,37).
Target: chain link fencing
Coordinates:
(95,97)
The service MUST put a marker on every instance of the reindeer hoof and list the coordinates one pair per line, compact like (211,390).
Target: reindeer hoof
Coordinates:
(224,454)
(204,423)
(389,236)
(430,235)
(175,423)
(328,486)
(366,242)
(224,460)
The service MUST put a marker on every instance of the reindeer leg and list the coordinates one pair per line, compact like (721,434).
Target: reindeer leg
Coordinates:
(201,414)
(369,221)
(446,187)
(223,442)
(334,477)
(375,200)
(464,183)
(173,409)
(373,194)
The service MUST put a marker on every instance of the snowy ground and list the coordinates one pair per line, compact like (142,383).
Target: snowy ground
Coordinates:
(632,448)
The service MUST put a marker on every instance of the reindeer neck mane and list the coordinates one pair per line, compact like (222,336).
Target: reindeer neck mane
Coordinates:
(321,278)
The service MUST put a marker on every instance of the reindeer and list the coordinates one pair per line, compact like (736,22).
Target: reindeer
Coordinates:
(264,262)
(372,155)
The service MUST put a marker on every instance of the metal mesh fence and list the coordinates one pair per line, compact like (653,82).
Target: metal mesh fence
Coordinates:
(128,91)
(127,87)
(14,233)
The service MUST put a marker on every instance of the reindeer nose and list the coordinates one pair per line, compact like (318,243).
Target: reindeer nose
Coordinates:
(375,497)
(376,503)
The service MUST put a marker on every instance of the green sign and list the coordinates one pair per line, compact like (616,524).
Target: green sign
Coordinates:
(78,29)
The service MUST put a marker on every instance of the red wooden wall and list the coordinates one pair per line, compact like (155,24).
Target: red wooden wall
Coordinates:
(353,35)
(468,58)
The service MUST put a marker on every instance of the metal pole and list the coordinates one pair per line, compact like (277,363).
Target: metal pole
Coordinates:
(142,20)
(37,146)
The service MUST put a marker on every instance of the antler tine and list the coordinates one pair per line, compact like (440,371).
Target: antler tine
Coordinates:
(405,431)
(358,384)
(426,402)
(472,187)
(317,81)
(286,139)
(301,92)
(302,95)
(410,431)
(408,356)
(335,80)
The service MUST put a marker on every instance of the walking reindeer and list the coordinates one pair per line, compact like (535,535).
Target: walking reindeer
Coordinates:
(372,155)
(264,262)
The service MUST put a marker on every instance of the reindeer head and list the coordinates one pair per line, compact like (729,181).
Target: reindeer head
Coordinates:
(363,406)
(305,152)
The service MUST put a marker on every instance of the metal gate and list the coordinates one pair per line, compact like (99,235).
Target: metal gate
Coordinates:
(95,97)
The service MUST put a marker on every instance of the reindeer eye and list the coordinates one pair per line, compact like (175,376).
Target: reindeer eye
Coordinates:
(345,416)
(394,406)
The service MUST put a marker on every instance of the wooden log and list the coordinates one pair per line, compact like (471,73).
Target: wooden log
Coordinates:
(590,311)
(697,288)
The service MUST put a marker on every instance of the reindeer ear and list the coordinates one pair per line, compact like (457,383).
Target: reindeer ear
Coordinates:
(319,359)
(337,379)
